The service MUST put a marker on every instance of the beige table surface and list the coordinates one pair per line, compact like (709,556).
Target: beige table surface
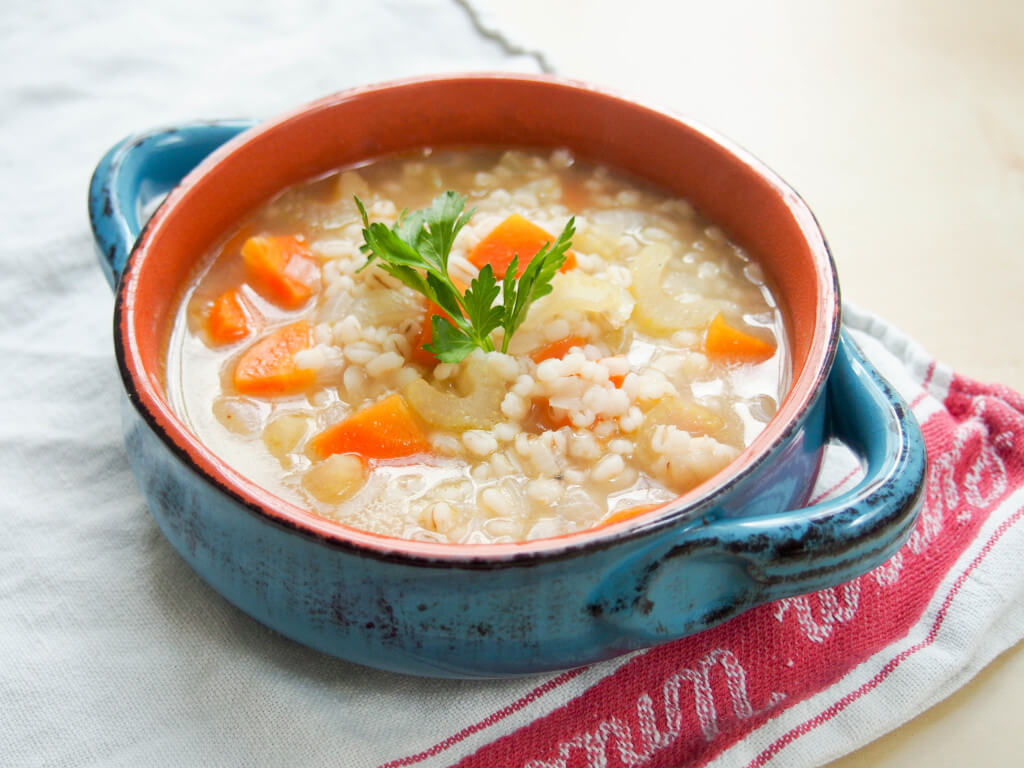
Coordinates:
(902,124)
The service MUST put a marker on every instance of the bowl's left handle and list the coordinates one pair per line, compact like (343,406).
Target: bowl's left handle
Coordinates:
(134,177)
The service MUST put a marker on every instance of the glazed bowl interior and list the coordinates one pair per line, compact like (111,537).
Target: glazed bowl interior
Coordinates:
(735,191)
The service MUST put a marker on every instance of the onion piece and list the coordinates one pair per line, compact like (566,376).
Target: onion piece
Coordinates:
(689,416)
(657,312)
(573,293)
(385,308)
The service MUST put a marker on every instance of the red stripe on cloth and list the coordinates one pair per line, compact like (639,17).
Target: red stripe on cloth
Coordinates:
(924,386)
(890,666)
(488,721)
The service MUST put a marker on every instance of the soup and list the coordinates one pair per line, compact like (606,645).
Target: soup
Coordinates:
(657,355)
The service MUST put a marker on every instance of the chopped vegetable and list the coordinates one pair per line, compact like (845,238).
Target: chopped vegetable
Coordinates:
(515,236)
(336,478)
(726,343)
(420,353)
(385,430)
(630,512)
(229,318)
(281,267)
(379,308)
(416,252)
(551,417)
(687,415)
(475,405)
(557,349)
(284,433)
(657,312)
(575,292)
(268,367)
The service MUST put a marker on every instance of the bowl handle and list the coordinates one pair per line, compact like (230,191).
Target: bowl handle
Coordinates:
(135,176)
(709,572)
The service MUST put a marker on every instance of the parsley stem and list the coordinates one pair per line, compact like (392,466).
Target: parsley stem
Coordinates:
(415,251)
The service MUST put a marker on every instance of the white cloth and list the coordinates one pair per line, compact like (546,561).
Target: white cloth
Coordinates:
(112,652)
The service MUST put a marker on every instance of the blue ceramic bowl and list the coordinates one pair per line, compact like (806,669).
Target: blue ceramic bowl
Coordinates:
(743,538)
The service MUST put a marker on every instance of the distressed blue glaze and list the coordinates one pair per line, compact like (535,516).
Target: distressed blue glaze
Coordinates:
(136,174)
(752,541)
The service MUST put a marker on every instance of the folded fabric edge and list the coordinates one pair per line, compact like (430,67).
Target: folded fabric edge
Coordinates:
(911,675)
(934,376)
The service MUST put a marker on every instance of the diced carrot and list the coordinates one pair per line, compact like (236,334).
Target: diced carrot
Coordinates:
(282,268)
(385,430)
(229,318)
(629,513)
(426,334)
(268,367)
(514,236)
(725,343)
(551,417)
(557,349)
(617,379)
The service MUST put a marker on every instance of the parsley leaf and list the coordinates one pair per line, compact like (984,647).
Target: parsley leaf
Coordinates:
(450,344)
(416,250)
(479,299)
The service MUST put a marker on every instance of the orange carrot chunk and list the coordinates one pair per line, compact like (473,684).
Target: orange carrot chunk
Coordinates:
(728,344)
(551,417)
(557,349)
(268,367)
(426,334)
(229,318)
(385,430)
(514,236)
(282,268)
(629,513)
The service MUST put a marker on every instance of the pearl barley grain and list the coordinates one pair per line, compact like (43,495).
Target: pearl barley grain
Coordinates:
(439,516)
(479,443)
(514,407)
(494,501)
(608,468)
(384,364)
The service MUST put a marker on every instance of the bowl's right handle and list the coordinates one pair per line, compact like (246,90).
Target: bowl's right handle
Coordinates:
(710,572)
(842,537)
(136,174)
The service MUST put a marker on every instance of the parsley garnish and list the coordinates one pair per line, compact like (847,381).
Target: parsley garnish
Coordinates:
(416,249)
